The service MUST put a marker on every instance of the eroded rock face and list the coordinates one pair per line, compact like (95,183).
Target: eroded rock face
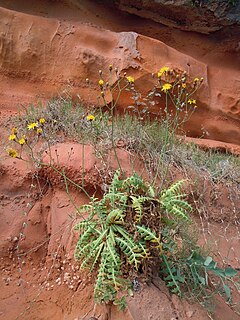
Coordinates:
(192,15)
(50,55)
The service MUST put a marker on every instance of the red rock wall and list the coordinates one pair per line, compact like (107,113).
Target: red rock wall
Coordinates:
(43,56)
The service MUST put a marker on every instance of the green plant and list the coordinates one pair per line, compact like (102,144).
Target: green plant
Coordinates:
(130,224)
(197,276)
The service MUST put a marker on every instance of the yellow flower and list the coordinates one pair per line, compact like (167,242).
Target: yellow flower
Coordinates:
(22,141)
(196,80)
(39,131)
(42,120)
(166,87)
(162,71)
(184,85)
(90,117)
(101,82)
(12,137)
(12,153)
(110,67)
(192,101)
(14,130)
(130,79)
(102,94)
(32,125)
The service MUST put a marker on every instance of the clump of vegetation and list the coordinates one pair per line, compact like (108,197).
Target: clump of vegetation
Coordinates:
(135,228)
(137,225)
(129,225)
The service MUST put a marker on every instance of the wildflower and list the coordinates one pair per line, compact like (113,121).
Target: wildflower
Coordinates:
(166,87)
(130,79)
(42,120)
(32,125)
(102,94)
(12,153)
(162,71)
(87,80)
(22,141)
(12,137)
(101,82)
(192,101)
(14,130)
(184,85)
(110,67)
(39,131)
(196,80)
(90,117)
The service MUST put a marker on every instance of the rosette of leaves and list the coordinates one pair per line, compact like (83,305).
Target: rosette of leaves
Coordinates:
(125,228)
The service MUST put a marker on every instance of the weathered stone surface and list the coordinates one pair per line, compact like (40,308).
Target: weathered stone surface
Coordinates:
(48,55)
(192,15)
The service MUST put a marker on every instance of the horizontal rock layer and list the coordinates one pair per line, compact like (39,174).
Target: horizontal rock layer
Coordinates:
(48,55)
(191,15)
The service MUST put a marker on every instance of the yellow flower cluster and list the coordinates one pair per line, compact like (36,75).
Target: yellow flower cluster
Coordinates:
(32,125)
(22,141)
(166,87)
(101,82)
(12,137)
(12,153)
(35,125)
(162,71)
(39,131)
(192,101)
(90,117)
(42,120)
(130,79)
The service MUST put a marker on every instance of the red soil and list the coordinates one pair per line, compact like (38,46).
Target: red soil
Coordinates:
(40,278)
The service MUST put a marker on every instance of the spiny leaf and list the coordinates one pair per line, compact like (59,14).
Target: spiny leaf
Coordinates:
(133,257)
(116,216)
(137,206)
(149,235)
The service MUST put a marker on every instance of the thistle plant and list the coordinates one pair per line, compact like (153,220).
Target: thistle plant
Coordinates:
(129,225)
